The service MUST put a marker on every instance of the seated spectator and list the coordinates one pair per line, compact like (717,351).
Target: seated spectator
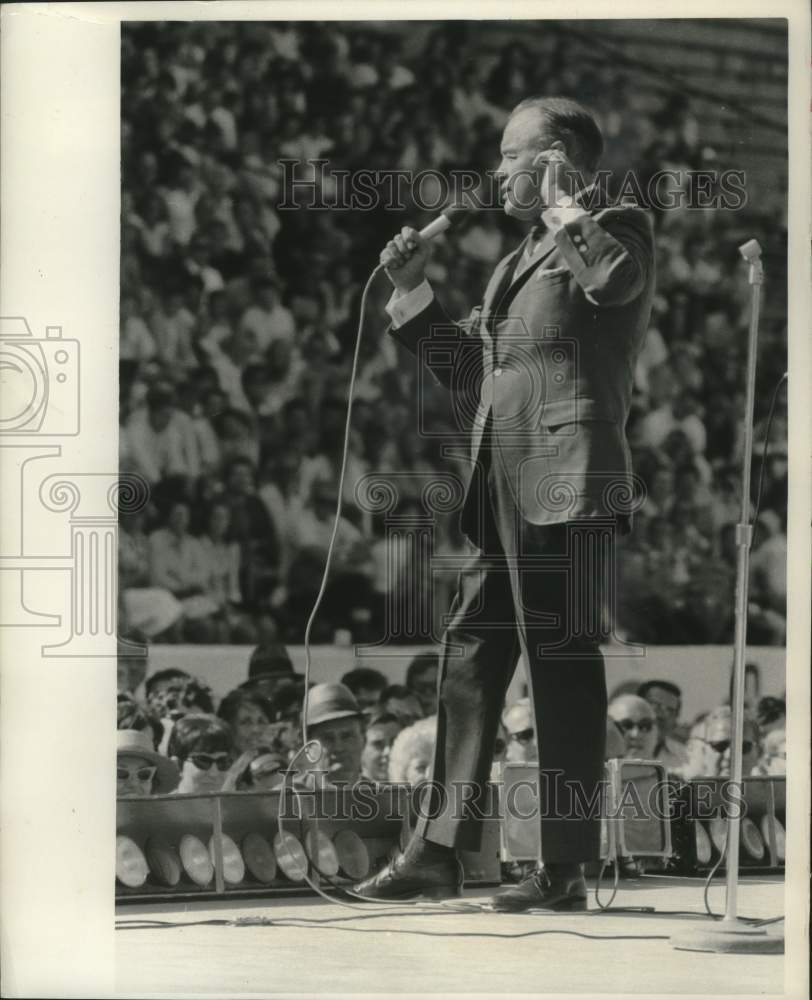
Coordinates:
(665,699)
(334,719)
(635,719)
(381,732)
(774,754)
(412,752)
(399,701)
(315,528)
(161,438)
(269,668)
(260,766)
(178,564)
(136,343)
(155,611)
(140,770)
(421,677)
(771,713)
(172,694)
(132,715)
(249,714)
(221,568)
(164,692)
(131,665)
(615,741)
(253,531)
(281,492)
(287,712)
(202,748)
(267,318)
(768,581)
(366,684)
(709,748)
(521,733)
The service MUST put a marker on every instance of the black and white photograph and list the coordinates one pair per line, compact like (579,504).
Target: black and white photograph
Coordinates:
(443,554)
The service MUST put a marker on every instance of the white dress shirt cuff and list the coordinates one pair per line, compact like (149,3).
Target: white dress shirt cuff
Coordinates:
(404,306)
(558,216)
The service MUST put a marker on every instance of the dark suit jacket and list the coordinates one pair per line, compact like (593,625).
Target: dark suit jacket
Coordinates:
(548,359)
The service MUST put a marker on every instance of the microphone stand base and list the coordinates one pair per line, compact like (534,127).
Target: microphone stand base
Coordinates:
(733,937)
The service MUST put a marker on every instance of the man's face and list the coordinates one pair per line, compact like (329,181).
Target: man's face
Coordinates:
(424,686)
(519,179)
(375,758)
(666,707)
(134,775)
(342,744)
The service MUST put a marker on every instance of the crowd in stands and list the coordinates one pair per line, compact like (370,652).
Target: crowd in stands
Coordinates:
(238,321)
(174,737)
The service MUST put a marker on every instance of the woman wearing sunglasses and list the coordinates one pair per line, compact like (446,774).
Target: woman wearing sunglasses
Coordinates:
(139,769)
(710,746)
(202,747)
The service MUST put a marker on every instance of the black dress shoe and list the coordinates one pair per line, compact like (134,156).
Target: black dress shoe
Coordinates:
(544,889)
(406,878)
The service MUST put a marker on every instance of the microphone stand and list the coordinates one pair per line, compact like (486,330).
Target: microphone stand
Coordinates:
(731,934)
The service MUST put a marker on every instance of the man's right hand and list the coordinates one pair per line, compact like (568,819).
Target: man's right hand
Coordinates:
(405,257)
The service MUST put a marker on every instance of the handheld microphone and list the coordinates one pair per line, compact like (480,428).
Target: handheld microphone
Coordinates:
(449,218)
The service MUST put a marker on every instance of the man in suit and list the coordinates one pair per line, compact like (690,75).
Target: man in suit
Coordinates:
(548,358)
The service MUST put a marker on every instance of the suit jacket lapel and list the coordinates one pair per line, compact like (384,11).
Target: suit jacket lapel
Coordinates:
(499,282)
(522,275)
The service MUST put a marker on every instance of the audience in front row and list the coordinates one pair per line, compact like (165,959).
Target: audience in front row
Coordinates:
(385,736)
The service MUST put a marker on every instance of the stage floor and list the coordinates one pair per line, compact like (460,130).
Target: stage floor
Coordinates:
(319,948)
